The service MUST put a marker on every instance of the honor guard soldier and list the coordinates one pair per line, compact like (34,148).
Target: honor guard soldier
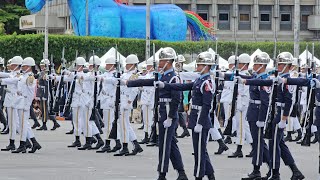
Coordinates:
(25,93)
(278,148)
(107,97)
(3,119)
(256,116)
(10,98)
(127,96)
(241,123)
(199,120)
(147,102)
(169,102)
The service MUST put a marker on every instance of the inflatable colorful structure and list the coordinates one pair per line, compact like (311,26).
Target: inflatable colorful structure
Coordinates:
(110,18)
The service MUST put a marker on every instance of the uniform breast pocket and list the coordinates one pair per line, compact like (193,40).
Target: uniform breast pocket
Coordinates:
(254,112)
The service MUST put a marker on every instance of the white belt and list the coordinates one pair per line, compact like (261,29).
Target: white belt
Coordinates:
(196,107)
(164,100)
(279,104)
(255,101)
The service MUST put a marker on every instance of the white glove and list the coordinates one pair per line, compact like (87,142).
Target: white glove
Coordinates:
(279,79)
(123,82)
(198,128)
(167,123)
(282,124)
(159,84)
(260,124)
(240,80)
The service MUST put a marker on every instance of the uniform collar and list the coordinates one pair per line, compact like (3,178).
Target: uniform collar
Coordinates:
(168,71)
(263,75)
(284,75)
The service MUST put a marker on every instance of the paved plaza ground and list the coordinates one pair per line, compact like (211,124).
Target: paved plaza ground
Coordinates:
(57,162)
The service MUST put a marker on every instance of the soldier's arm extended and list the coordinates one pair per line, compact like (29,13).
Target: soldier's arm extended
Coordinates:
(140,82)
(298,81)
(13,80)
(4,75)
(259,82)
(178,87)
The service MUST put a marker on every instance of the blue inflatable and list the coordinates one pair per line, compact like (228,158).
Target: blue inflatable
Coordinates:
(108,18)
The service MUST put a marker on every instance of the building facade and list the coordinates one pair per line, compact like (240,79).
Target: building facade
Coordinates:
(246,20)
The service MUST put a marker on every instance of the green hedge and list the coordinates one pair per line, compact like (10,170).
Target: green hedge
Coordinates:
(33,45)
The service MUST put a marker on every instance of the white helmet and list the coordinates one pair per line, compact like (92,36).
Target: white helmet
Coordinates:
(17,60)
(285,58)
(149,61)
(232,59)
(1,60)
(110,60)
(28,61)
(97,60)
(44,62)
(9,62)
(205,58)
(295,62)
(80,61)
(262,58)
(181,59)
(132,59)
(244,58)
(167,53)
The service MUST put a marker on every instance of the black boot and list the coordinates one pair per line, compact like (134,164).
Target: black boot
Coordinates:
(288,137)
(228,140)
(316,138)
(105,148)
(5,131)
(185,133)
(55,125)
(43,127)
(234,134)
(137,149)
(238,153)
(220,132)
(255,175)
(87,145)
(36,146)
(268,175)
(116,147)
(299,135)
(145,140)
(222,147)
(10,147)
(124,150)
(211,177)
(296,173)
(28,144)
(182,175)
(162,176)
(21,148)
(70,132)
(140,128)
(275,175)
(76,143)
(35,125)
(100,142)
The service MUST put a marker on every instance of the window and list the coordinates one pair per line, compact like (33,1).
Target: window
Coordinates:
(265,17)
(203,11)
(223,19)
(285,17)
(204,15)
(223,16)
(304,18)
(305,12)
(184,6)
(244,17)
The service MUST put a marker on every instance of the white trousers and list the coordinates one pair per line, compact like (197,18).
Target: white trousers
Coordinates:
(293,124)
(147,112)
(214,131)
(108,118)
(126,132)
(243,129)
(24,127)
(85,114)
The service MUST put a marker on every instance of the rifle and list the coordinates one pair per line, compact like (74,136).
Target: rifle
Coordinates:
(153,135)
(228,130)
(113,132)
(311,100)
(216,101)
(60,85)
(272,102)
(51,87)
(67,105)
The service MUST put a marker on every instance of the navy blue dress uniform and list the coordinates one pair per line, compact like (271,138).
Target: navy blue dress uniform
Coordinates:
(277,147)
(200,108)
(42,94)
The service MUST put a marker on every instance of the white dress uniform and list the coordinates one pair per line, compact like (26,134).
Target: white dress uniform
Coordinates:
(126,94)
(242,125)
(25,95)
(226,99)
(107,99)
(147,103)
(293,122)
